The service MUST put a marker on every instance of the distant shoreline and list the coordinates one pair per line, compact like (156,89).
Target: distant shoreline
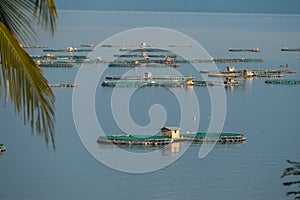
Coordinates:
(180,12)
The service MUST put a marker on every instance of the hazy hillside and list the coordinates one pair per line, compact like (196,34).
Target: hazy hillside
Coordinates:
(239,6)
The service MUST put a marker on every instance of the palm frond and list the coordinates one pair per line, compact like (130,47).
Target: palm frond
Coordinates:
(47,14)
(24,83)
(17,16)
(21,16)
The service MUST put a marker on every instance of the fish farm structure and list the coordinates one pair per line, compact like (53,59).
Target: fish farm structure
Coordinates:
(171,135)
(231,72)
(62,85)
(287,49)
(244,50)
(55,64)
(149,76)
(69,49)
(144,50)
(166,81)
(283,81)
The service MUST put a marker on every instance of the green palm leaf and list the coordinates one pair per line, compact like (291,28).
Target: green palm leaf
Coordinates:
(21,79)
(47,14)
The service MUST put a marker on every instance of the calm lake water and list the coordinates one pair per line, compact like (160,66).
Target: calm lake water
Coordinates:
(268,115)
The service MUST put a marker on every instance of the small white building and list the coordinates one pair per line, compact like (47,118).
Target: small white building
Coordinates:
(170,131)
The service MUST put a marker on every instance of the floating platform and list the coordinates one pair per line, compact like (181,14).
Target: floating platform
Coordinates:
(125,139)
(69,49)
(63,85)
(244,50)
(2,148)
(222,60)
(213,137)
(148,76)
(33,47)
(88,45)
(237,75)
(143,63)
(147,49)
(283,81)
(231,72)
(49,56)
(170,83)
(145,83)
(55,64)
(255,71)
(143,56)
(287,49)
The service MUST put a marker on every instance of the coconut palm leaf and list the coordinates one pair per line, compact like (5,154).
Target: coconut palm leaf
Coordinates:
(47,14)
(27,87)
(20,17)
(21,80)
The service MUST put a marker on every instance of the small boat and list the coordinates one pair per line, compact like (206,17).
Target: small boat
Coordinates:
(2,148)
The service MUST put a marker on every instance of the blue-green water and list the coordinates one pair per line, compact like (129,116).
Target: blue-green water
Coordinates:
(267,115)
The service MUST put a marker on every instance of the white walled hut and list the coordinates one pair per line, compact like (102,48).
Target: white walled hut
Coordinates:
(170,131)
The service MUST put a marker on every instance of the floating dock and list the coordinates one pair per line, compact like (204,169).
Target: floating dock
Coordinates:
(33,47)
(283,81)
(69,49)
(168,82)
(244,50)
(231,72)
(145,50)
(55,64)
(143,55)
(171,135)
(222,60)
(149,76)
(50,56)
(145,83)
(62,85)
(287,49)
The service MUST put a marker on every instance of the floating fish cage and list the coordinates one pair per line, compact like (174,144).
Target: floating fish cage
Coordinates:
(56,65)
(67,50)
(148,76)
(145,50)
(283,81)
(214,137)
(287,49)
(135,140)
(142,64)
(61,85)
(244,50)
(221,60)
(144,83)
(125,139)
